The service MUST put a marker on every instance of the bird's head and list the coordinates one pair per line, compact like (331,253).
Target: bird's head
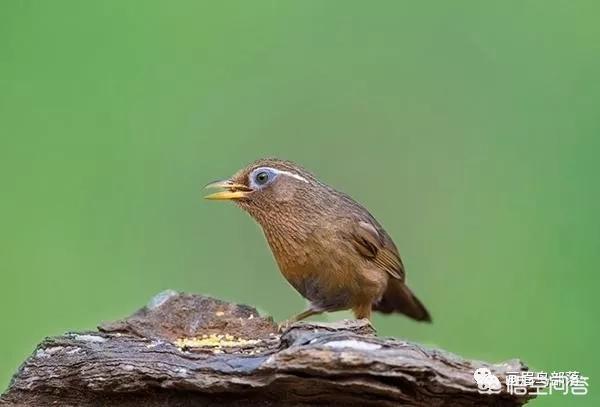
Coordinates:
(270,187)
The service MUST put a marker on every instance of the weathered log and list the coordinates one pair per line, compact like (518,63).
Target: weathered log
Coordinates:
(191,350)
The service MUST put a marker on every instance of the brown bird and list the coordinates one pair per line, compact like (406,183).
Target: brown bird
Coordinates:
(327,246)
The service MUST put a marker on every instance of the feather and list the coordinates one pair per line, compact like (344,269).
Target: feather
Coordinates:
(377,247)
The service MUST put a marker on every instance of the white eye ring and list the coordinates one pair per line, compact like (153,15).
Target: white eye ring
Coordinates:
(272,174)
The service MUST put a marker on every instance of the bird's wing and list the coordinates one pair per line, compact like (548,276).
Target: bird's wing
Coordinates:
(373,243)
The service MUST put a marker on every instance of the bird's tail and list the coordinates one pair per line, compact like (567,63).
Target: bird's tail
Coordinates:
(399,298)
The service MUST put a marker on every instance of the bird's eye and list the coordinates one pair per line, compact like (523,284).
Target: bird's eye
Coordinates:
(262,178)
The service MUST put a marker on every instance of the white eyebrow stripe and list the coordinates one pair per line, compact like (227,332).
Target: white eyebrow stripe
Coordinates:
(291,174)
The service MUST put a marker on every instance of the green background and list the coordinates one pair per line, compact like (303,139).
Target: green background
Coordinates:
(470,129)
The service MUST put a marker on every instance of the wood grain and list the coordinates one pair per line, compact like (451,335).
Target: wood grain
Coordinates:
(192,350)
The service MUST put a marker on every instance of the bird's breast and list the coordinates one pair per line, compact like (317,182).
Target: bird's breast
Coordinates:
(320,265)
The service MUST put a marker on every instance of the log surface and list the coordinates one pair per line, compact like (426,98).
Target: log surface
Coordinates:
(191,350)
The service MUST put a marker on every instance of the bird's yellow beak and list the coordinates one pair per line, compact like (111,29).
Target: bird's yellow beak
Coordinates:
(231,191)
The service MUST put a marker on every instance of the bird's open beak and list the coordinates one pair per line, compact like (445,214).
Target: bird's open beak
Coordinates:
(231,191)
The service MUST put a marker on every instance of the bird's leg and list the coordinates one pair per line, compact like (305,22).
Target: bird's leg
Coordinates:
(305,314)
(363,311)
(299,317)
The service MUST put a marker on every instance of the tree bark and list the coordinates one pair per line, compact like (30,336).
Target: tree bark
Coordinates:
(191,350)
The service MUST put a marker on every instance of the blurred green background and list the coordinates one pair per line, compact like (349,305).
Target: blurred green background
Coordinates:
(470,129)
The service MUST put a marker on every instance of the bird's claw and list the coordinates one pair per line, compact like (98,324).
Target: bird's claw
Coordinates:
(370,324)
(284,325)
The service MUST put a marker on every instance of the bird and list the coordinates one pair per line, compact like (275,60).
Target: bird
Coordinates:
(327,246)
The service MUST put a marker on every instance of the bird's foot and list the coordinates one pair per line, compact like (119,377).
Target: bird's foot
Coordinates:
(303,315)
(370,323)
(284,325)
